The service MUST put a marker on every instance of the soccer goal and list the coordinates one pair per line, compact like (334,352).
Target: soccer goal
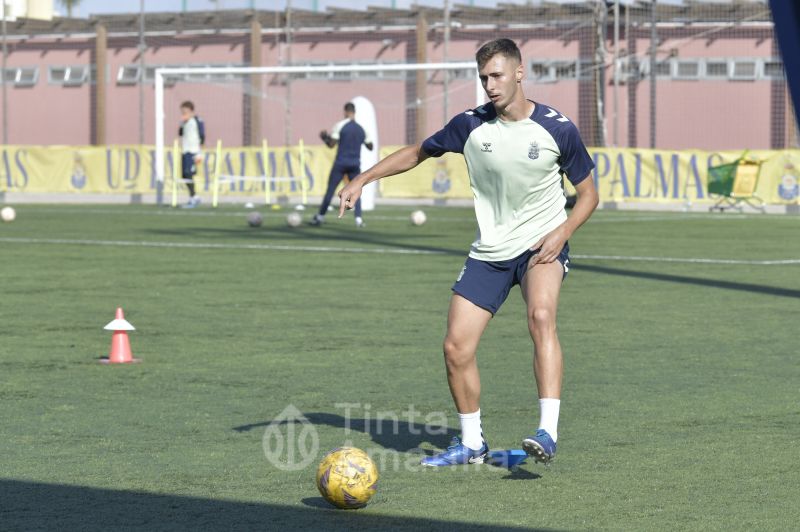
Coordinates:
(268,120)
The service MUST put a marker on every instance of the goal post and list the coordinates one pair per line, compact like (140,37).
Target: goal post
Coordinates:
(292,97)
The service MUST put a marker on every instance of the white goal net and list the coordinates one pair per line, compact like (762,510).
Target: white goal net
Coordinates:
(256,119)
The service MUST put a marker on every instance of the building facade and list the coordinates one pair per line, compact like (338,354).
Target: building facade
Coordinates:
(695,76)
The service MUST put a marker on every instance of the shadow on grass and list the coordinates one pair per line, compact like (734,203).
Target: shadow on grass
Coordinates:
(521,474)
(316,235)
(396,435)
(40,506)
(698,281)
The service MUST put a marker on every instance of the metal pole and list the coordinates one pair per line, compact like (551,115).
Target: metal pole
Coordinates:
(653,49)
(445,56)
(616,73)
(4,73)
(159,97)
(142,48)
(288,128)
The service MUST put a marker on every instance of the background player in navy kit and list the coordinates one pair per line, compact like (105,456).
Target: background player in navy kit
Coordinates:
(516,151)
(193,136)
(349,136)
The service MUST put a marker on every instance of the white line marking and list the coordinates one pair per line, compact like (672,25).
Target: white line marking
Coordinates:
(237,214)
(689,260)
(598,217)
(213,245)
(395,251)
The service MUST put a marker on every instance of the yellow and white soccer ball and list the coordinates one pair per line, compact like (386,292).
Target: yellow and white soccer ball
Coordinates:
(418,217)
(8,214)
(347,478)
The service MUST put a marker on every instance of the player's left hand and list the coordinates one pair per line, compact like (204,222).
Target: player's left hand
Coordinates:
(550,245)
(198,159)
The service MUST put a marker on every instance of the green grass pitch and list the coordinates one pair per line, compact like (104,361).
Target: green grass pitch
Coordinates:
(680,396)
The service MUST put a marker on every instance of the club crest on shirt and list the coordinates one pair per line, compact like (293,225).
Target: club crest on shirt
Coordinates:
(533,151)
(487,147)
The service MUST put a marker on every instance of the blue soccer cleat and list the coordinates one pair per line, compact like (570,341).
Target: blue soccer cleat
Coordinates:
(457,454)
(540,447)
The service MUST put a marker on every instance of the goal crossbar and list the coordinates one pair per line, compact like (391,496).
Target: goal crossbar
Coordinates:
(162,73)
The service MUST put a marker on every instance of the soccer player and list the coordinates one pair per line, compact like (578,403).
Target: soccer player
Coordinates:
(349,136)
(516,151)
(193,136)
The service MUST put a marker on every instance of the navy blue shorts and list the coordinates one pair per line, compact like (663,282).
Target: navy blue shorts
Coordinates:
(487,284)
(188,167)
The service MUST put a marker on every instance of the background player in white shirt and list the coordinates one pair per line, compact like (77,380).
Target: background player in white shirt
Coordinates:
(516,151)
(192,132)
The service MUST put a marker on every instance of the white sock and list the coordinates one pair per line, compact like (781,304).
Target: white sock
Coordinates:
(359,220)
(548,416)
(471,431)
(319,216)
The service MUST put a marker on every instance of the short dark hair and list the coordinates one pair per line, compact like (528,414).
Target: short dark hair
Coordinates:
(506,47)
(349,107)
(188,105)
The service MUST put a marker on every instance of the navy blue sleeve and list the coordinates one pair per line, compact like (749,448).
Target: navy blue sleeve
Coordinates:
(201,129)
(575,161)
(451,138)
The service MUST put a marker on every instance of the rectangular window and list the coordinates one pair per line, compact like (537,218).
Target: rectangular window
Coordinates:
(663,69)
(21,76)
(773,69)
(542,72)
(70,76)
(564,70)
(744,69)
(687,69)
(128,75)
(716,69)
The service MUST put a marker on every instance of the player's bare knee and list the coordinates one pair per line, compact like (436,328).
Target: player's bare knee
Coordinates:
(541,319)
(456,354)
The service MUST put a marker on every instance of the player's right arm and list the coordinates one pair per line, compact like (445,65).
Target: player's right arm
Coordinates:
(400,161)
(327,139)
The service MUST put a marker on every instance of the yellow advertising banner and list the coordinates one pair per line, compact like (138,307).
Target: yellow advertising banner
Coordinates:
(623,175)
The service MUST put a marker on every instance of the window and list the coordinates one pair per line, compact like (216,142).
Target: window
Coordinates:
(716,68)
(542,72)
(71,76)
(466,73)
(745,69)
(564,70)
(341,75)
(128,75)
(773,69)
(663,69)
(21,76)
(687,69)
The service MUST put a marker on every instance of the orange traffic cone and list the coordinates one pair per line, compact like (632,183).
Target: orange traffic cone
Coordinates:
(120,345)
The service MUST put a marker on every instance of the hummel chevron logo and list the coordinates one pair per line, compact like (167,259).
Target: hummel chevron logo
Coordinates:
(561,118)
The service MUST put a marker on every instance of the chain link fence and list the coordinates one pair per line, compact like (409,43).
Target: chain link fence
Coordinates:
(671,75)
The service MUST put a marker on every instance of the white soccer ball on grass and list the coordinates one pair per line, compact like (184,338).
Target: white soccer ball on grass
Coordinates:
(294,219)
(254,219)
(418,218)
(8,214)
